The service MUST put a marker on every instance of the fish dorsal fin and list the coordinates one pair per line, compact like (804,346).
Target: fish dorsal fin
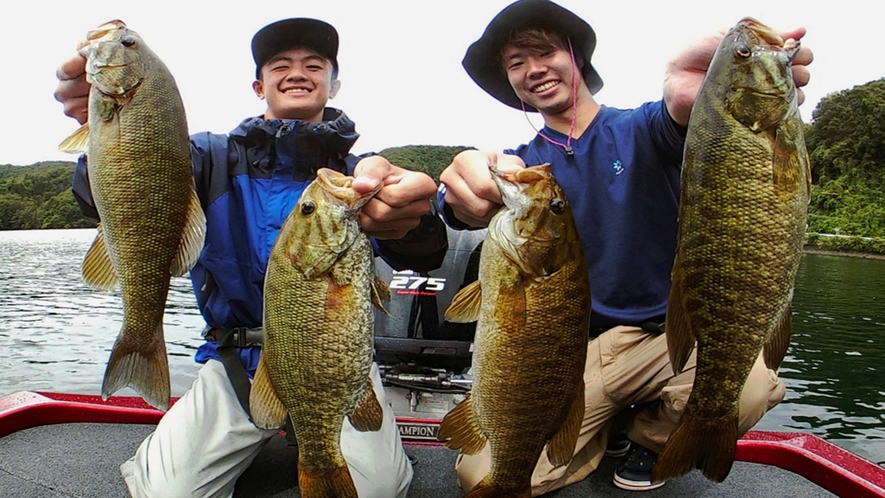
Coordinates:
(77,141)
(98,270)
(367,415)
(460,430)
(380,294)
(267,411)
(192,240)
(466,304)
(776,347)
(680,339)
(561,447)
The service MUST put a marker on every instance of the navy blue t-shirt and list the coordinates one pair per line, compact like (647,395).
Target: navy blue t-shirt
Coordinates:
(623,187)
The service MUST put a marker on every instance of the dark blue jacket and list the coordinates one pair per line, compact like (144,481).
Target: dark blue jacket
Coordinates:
(248,181)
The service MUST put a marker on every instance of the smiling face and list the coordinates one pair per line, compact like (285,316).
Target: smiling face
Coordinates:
(297,84)
(539,68)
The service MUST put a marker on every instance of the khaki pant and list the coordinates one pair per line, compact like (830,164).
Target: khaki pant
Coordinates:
(628,366)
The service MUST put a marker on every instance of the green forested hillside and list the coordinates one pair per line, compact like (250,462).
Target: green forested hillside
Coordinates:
(39,196)
(846,142)
(431,159)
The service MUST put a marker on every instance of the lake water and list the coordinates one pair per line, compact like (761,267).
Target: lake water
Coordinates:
(56,335)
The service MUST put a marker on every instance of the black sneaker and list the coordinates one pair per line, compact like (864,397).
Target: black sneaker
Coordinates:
(618,445)
(634,471)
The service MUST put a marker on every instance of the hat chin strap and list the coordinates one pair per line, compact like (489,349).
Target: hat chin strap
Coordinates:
(567,146)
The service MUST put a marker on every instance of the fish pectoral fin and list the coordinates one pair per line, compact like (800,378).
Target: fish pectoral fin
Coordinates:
(680,340)
(97,269)
(77,141)
(380,294)
(466,304)
(460,429)
(776,346)
(561,447)
(786,165)
(368,415)
(192,239)
(268,412)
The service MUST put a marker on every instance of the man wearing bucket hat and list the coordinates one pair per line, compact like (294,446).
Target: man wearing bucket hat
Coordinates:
(206,440)
(620,170)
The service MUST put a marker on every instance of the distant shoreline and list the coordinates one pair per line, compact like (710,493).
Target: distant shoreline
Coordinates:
(851,254)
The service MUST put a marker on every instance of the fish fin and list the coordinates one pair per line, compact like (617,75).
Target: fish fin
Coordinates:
(486,488)
(77,141)
(141,365)
(367,415)
(97,269)
(192,239)
(268,412)
(561,448)
(786,164)
(776,347)
(466,304)
(380,294)
(460,429)
(706,444)
(334,482)
(680,340)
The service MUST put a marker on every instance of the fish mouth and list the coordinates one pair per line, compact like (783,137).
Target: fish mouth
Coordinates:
(340,186)
(519,192)
(102,33)
(762,31)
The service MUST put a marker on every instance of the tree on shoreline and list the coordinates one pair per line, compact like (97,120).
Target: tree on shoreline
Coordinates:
(846,142)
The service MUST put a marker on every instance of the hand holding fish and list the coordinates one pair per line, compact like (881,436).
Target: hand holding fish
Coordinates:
(470,191)
(399,205)
(686,72)
(73,89)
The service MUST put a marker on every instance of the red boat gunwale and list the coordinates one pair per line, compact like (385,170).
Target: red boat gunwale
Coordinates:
(825,464)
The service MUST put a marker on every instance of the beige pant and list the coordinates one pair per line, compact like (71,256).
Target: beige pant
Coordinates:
(628,366)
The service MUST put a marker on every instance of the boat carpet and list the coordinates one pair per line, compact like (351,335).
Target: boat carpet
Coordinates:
(82,460)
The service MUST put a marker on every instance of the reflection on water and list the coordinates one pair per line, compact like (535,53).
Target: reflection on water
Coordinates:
(56,334)
(835,368)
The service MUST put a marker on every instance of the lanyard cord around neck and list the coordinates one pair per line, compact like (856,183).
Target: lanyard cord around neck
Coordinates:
(567,146)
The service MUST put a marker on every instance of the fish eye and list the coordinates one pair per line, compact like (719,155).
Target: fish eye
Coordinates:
(742,50)
(128,41)
(557,206)
(308,208)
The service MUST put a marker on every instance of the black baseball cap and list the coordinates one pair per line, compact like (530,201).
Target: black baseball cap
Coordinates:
(543,14)
(283,35)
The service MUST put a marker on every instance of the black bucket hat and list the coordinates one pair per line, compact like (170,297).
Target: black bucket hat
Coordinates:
(542,14)
(280,36)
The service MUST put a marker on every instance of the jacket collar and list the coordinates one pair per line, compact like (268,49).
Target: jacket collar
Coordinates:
(336,131)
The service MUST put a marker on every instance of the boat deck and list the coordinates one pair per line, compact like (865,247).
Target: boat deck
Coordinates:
(65,446)
(81,460)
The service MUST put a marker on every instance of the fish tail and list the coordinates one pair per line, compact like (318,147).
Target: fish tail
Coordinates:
(143,367)
(706,444)
(332,482)
(488,489)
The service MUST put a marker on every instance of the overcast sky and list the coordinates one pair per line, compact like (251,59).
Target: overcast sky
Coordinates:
(402,80)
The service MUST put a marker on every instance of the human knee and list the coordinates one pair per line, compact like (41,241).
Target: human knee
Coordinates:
(762,392)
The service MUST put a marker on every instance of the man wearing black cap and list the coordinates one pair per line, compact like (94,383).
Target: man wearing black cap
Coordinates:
(248,181)
(620,170)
